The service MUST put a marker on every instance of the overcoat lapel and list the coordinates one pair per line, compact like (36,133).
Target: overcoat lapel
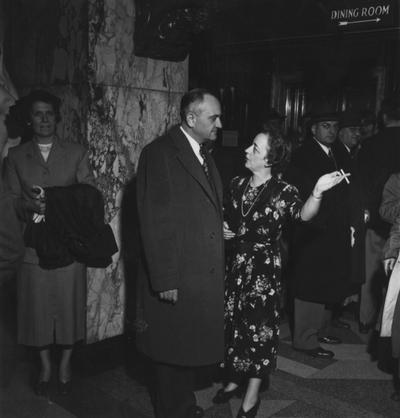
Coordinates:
(188,159)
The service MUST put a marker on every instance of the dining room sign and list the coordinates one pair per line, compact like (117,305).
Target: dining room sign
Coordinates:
(364,14)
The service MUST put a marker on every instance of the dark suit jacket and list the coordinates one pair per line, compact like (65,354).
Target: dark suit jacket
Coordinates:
(181,227)
(320,250)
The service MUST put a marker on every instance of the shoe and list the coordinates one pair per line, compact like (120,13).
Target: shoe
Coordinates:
(223,396)
(364,328)
(42,389)
(318,352)
(251,413)
(338,323)
(329,339)
(64,388)
(196,412)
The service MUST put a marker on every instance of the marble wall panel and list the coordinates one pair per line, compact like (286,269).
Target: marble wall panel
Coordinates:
(113,30)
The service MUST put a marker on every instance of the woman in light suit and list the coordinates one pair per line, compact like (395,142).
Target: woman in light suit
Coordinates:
(51,302)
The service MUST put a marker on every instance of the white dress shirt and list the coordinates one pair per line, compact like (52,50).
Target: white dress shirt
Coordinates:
(195,146)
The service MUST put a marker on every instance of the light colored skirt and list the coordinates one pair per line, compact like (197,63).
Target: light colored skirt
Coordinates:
(51,305)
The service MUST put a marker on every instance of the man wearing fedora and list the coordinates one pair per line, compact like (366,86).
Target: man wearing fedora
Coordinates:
(348,146)
(320,251)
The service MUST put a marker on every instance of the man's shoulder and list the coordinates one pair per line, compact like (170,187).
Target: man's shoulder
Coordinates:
(165,140)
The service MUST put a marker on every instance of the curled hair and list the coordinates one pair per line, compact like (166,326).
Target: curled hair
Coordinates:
(192,96)
(40,96)
(279,148)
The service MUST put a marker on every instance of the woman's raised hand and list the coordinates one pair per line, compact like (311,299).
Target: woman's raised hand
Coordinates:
(327,181)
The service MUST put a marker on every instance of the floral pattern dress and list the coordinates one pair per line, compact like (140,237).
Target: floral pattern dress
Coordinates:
(257,216)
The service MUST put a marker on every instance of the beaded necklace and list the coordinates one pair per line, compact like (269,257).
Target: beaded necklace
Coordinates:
(243,212)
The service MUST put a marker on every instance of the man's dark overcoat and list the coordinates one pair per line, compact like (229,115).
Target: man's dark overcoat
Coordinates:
(180,217)
(320,252)
(357,199)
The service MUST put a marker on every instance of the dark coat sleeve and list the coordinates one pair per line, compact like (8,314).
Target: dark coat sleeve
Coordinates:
(158,223)
(11,243)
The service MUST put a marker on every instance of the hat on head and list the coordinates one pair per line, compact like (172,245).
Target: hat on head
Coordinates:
(350,118)
(323,112)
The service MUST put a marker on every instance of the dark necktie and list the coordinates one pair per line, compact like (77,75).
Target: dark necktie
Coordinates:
(331,156)
(206,168)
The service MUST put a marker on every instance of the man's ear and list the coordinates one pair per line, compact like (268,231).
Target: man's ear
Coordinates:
(191,119)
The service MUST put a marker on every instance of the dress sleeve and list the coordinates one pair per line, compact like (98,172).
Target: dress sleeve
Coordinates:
(290,203)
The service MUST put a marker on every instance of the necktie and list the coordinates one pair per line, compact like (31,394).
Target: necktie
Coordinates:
(331,156)
(206,168)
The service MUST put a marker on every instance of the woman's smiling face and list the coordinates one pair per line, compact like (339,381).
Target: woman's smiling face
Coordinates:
(43,119)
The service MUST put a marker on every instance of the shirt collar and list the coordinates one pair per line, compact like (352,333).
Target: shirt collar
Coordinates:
(194,144)
(323,146)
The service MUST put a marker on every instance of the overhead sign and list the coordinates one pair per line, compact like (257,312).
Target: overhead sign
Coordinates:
(364,14)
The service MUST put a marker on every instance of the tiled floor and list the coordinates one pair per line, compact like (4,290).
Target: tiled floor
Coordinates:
(351,385)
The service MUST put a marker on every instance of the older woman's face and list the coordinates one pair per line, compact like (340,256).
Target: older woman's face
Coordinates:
(256,154)
(43,119)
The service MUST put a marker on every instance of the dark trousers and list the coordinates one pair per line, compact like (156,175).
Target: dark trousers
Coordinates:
(174,397)
(310,321)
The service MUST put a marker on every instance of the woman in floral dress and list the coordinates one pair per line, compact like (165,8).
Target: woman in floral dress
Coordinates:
(258,208)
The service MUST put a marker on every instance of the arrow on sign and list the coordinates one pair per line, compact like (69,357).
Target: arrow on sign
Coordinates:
(347,23)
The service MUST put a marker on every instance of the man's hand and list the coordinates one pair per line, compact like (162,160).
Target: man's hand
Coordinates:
(169,296)
(388,265)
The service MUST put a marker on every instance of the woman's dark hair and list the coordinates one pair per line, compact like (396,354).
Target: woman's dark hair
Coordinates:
(40,96)
(279,148)
(192,96)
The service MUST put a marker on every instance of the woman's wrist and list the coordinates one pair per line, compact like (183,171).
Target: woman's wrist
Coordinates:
(316,195)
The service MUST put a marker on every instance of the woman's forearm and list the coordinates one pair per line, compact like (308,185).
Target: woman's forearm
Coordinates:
(311,206)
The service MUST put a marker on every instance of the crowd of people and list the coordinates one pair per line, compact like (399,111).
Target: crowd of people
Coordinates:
(321,219)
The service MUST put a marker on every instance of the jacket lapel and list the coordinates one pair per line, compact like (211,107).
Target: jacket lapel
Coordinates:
(33,154)
(57,152)
(188,159)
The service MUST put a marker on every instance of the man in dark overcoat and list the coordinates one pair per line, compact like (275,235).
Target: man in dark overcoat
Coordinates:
(181,289)
(320,250)
(348,146)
